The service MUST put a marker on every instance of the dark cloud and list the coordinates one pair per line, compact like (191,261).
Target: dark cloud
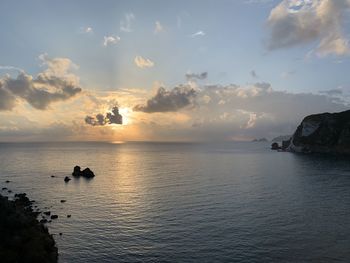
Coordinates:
(168,100)
(113,117)
(194,76)
(52,85)
(7,100)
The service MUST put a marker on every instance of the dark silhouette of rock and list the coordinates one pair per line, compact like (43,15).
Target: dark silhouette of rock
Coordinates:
(285,144)
(54,217)
(87,173)
(60,234)
(48,213)
(23,238)
(52,176)
(68,216)
(43,221)
(275,146)
(4,188)
(9,191)
(76,171)
(67,179)
(7,181)
(63,201)
(323,133)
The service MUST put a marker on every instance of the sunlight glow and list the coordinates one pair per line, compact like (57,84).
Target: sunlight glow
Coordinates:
(125,112)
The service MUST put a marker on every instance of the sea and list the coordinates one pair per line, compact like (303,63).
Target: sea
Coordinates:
(186,202)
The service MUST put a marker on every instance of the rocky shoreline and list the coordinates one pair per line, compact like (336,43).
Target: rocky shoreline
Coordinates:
(320,133)
(23,238)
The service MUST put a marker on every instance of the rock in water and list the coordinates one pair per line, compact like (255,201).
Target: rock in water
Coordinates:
(275,146)
(322,133)
(67,179)
(76,171)
(87,173)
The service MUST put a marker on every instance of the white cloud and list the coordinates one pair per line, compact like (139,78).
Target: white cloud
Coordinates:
(158,28)
(88,30)
(126,22)
(110,40)
(143,62)
(198,33)
(294,22)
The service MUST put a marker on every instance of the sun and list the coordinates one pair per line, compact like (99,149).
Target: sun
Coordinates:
(125,112)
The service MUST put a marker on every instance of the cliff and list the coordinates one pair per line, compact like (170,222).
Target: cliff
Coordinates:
(322,133)
(22,237)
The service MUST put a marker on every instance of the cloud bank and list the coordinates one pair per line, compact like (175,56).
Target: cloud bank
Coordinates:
(54,84)
(168,100)
(298,22)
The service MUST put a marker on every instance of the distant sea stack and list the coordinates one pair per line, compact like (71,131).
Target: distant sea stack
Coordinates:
(322,133)
(260,140)
(87,173)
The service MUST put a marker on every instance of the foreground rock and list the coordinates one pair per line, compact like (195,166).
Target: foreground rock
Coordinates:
(23,238)
(322,133)
(87,173)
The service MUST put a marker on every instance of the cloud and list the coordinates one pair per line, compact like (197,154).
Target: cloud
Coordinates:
(253,74)
(332,92)
(110,40)
(158,28)
(56,83)
(143,62)
(113,117)
(197,34)
(7,99)
(125,24)
(11,68)
(298,22)
(88,30)
(168,100)
(194,76)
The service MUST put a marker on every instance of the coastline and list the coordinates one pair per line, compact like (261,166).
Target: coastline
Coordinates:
(23,238)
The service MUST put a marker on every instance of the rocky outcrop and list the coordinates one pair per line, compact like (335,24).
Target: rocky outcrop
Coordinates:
(281,138)
(322,133)
(23,238)
(87,173)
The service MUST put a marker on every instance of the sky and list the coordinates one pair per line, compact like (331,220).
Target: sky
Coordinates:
(195,70)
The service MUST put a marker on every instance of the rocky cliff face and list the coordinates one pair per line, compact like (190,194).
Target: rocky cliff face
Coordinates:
(323,133)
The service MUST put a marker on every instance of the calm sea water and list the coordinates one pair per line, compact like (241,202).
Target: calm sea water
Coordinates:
(168,202)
